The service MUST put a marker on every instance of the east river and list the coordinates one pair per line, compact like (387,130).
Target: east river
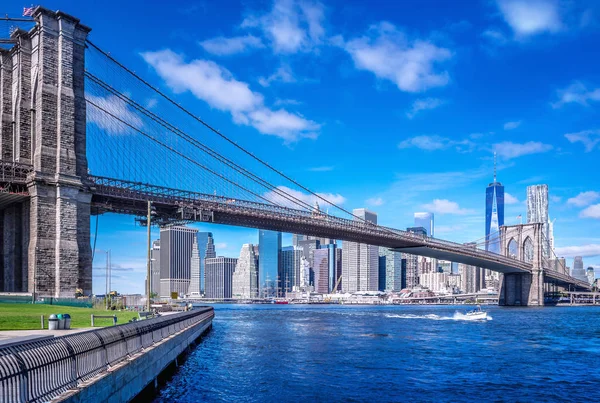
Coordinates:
(329,353)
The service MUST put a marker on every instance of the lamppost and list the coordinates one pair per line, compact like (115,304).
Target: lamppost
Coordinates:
(148,274)
(34,276)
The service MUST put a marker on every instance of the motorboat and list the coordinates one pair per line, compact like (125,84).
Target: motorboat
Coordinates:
(476,314)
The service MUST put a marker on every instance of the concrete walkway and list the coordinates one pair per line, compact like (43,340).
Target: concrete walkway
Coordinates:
(9,337)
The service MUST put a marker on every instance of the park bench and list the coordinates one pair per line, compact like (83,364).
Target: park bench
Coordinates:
(113,317)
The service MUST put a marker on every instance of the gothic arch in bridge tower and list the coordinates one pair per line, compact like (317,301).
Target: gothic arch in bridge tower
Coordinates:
(513,249)
(528,251)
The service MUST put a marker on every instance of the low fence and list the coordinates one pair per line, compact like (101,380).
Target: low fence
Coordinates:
(26,298)
(38,371)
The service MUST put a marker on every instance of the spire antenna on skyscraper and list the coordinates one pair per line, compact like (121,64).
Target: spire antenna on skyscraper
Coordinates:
(494,166)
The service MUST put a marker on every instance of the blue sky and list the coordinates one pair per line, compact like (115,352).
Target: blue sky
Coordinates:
(393,106)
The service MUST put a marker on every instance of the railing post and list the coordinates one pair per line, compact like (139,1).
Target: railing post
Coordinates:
(24,389)
(73,363)
(92,320)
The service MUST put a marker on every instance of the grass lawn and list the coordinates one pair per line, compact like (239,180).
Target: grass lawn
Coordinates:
(27,316)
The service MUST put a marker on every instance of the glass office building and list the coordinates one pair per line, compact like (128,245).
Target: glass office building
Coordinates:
(269,261)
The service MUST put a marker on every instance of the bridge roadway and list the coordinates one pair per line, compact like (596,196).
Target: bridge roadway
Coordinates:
(174,205)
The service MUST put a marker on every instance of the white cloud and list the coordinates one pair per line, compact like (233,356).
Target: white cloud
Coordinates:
(444,206)
(221,245)
(222,46)
(531,17)
(387,53)
(577,93)
(555,199)
(584,198)
(432,143)
(216,86)
(512,125)
(510,150)
(282,74)
(428,143)
(115,106)
(321,169)
(375,201)
(291,26)
(332,198)
(589,138)
(423,104)
(592,211)
(495,36)
(510,199)
(582,250)
(281,123)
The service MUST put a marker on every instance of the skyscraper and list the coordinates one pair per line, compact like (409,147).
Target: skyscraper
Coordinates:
(578,271)
(390,268)
(269,261)
(176,244)
(537,212)
(425,220)
(321,270)
(360,262)
(219,277)
(494,213)
(203,247)
(290,268)
(245,276)
(206,249)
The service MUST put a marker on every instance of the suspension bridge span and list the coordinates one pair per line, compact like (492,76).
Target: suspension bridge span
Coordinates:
(79,137)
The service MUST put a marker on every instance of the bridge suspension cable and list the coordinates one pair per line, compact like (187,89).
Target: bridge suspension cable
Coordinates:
(227,139)
(219,157)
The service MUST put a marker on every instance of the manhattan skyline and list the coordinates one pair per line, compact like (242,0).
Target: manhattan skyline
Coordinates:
(426,151)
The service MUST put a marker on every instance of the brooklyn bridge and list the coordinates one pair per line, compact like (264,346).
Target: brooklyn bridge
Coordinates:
(79,137)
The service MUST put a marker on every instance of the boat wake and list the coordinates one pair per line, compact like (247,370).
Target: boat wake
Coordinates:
(432,316)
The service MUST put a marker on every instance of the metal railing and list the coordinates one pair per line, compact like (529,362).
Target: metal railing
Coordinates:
(38,371)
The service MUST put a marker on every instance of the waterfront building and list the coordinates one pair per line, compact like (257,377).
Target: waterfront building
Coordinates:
(308,249)
(194,288)
(219,277)
(390,270)
(155,267)
(578,271)
(411,270)
(321,270)
(472,277)
(269,258)
(454,283)
(176,244)
(338,270)
(444,266)
(537,212)
(494,213)
(436,282)
(591,275)
(403,278)
(290,268)
(360,262)
(425,220)
(204,247)
(245,276)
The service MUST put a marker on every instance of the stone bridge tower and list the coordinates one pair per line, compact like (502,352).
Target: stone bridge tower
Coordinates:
(523,242)
(46,238)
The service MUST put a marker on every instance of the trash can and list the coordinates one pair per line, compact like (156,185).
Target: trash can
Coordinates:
(61,321)
(52,322)
(67,320)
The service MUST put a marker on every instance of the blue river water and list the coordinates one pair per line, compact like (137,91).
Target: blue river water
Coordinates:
(278,353)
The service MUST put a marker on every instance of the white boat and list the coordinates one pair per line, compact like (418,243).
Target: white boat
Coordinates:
(476,314)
